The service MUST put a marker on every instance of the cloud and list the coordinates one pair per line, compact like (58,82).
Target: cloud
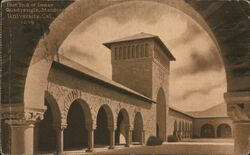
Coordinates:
(203,91)
(201,63)
(74,51)
(191,32)
(198,102)
(196,79)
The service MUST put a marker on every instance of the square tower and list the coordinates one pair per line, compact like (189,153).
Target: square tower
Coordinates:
(141,62)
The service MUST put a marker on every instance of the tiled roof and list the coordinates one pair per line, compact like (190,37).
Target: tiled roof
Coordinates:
(140,36)
(171,107)
(65,62)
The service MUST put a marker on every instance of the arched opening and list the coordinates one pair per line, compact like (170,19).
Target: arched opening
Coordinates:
(5,137)
(189,130)
(175,128)
(45,134)
(182,129)
(104,123)
(157,130)
(76,133)
(46,138)
(137,134)
(179,130)
(122,127)
(161,114)
(186,129)
(224,131)
(207,131)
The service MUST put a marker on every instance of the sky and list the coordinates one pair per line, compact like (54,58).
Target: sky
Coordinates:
(197,77)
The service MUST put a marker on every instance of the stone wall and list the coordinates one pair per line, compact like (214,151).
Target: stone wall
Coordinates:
(215,122)
(66,87)
(179,122)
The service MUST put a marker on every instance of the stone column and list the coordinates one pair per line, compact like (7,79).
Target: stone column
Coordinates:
(142,140)
(238,108)
(22,131)
(22,138)
(241,137)
(59,139)
(112,139)
(90,140)
(128,138)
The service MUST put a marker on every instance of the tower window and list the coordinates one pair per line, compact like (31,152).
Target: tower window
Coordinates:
(116,53)
(133,51)
(137,51)
(120,53)
(142,50)
(146,50)
(124,52)
(129,52)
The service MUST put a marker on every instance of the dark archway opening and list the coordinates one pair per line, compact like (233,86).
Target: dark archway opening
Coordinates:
(161,115)
(5,137)
(157,130)
(46,138)
(175,128)
(138,129)
(76,134)
(102,131)
(207,131)
(122,127)
(224,131)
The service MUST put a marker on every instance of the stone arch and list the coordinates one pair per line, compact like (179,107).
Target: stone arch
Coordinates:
(137,134)
(104,125)
(84,101)
(35,82)
(110,115)
(161,113)
(207,131)
(67,100)
(45,130)
(79,122)
(56,112)
(123,125)
(224,131)
(62,26)
(87,113)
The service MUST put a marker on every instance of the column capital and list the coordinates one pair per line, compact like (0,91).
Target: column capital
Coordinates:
(59,127)
(21,118)
(238,105)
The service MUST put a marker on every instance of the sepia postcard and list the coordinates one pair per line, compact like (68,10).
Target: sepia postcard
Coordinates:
(125,77)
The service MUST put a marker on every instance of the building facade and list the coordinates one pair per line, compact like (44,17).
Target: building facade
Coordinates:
(87,110)
(200,124)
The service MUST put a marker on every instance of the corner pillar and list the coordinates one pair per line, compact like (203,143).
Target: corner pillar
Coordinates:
(128,138)
(238,108)
(112,139)
(22,130)
(90,140)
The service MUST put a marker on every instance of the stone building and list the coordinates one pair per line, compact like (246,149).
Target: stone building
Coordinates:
(88,110)
(226,22)
(211,123)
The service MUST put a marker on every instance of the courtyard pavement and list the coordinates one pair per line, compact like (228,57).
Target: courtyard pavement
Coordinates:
(189,147)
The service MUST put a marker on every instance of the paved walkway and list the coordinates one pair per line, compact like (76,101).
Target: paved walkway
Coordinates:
(180,148)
